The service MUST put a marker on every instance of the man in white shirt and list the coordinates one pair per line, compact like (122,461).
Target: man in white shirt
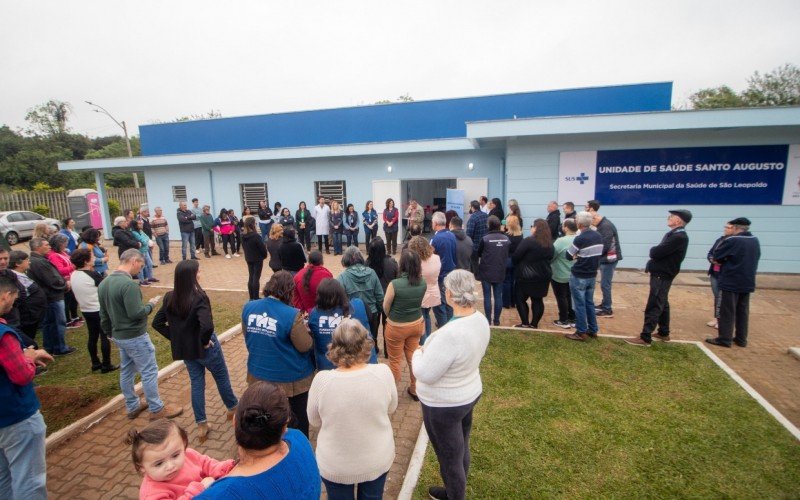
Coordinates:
(484,204)
(321,214)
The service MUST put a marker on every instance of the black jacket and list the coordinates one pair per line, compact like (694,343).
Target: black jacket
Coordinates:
(254,249)
(45,274)
(185,218)
(608,231)
(274,248)
(710,256)
(532,262)
(124,239)
(554,223)
(739,256)
(666,257)
(188,336)
(493,254)
(292,255)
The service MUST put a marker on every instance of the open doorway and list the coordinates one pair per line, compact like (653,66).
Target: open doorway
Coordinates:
(431,194)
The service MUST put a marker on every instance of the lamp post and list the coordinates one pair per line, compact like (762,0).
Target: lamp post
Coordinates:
(121,124)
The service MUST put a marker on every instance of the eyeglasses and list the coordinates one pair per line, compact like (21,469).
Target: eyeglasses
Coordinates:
(728,226)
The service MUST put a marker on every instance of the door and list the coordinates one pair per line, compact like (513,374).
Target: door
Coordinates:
(381,191)
(474,188)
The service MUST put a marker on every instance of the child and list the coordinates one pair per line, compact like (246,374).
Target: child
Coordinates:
(170,469)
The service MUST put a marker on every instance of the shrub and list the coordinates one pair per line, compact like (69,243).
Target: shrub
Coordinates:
(42,210)
(114,209)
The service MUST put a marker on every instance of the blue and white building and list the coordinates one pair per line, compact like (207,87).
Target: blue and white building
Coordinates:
(620,144)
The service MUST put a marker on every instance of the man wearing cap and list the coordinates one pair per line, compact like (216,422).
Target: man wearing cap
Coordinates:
(663,266)
(738,255)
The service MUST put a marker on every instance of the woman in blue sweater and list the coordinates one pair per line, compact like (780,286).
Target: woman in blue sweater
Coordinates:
(274,462)
(369,218)
(279,345)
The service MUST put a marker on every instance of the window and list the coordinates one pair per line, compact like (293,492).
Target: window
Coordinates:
(252,194)
(332,190)
(32,216)
(15,217)
(179,193)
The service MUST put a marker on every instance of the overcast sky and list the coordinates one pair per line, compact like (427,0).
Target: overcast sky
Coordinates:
(147,61)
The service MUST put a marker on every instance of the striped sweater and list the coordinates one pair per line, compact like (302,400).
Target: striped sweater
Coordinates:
(586,250)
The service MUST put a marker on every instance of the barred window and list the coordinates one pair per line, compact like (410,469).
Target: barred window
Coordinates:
(179,193)
(253,193)
(331,190)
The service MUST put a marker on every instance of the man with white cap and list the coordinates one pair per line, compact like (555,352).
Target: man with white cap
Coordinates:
(664,264)
(738,256)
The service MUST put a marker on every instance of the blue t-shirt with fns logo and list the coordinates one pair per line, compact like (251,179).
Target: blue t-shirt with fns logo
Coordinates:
(322,325)
(272,356)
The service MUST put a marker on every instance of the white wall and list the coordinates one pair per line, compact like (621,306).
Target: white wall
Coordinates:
(532,178)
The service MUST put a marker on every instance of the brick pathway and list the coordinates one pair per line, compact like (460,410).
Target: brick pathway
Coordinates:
(96,464)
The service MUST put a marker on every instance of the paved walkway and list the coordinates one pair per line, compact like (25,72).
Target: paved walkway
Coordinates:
(96,464)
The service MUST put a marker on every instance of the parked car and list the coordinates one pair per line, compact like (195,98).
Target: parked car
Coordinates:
(19,224)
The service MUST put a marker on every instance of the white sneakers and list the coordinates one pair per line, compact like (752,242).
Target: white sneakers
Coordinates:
(227,256)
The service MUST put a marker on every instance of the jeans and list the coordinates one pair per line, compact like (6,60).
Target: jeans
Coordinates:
(583,300)
(489,290)
(147,270)
(54,327)
(96,334)
(163,248)
(715,290)
(442,312)
(187,239)
(352,238)
(426,316)
(449,429)
(254,278)
(137,355)
(734,313)
(337,243)
(606,277)
(214,361)
(368,490)
(23,471)
(656,312)
(264,230)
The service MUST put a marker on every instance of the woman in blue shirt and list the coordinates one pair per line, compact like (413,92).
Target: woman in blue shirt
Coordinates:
(274,462)
(279,345)
(369,218)
(332,306)
(91,241)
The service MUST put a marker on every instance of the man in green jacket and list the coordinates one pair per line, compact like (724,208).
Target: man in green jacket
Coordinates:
(124,315)
(207,223)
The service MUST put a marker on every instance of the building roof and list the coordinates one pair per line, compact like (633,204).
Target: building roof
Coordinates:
(397,122)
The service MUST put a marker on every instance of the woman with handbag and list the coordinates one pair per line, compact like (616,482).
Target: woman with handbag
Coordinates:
(532,273)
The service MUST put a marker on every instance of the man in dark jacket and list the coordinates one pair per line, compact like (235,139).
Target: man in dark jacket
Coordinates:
(186,220)
(612,254)
(493,255)
(463,244)
(47,277)
(553,219)
(28,309)
(569,210)
(123,237)
(738,256)
(476,229)
(664,264)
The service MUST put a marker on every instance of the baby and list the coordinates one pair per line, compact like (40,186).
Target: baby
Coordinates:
(170,469)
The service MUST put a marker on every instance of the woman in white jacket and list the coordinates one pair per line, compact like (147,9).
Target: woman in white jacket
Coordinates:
(449,383)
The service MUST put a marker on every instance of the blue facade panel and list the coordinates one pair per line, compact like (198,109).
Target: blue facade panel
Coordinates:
(424,120)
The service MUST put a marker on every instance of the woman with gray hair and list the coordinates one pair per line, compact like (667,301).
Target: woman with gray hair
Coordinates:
(449,383)
(351,406)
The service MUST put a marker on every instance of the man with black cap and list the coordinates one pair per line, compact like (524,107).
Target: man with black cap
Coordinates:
(738,255)
(663,266)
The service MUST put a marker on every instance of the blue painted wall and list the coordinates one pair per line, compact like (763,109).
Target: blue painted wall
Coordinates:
(532,178)
(422,120)
(293,181)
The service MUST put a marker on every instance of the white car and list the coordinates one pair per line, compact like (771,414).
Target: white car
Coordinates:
(19,224)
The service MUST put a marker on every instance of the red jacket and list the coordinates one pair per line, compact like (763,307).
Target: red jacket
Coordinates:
(63,264)
(187,483)
(305,300)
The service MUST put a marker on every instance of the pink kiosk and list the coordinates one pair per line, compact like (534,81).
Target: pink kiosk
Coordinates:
(84,207)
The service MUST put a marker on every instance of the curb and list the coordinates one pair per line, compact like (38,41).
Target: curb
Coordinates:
(795,351)
(414,465)
(57,438)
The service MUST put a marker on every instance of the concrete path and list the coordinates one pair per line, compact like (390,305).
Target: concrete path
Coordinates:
(96,464)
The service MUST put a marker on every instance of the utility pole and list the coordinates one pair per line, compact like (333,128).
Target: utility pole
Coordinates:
(124,130)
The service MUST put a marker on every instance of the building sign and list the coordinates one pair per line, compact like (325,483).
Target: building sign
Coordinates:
(732,175)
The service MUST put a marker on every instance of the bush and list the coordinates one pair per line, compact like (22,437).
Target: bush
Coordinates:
(42,210)
(114,209)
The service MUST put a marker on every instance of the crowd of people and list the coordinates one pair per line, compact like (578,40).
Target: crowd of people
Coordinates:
(312,337)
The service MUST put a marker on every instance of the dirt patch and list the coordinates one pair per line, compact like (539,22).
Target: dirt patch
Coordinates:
(63,405)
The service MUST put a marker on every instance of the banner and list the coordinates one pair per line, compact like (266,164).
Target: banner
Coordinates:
(733,175)
(455,201)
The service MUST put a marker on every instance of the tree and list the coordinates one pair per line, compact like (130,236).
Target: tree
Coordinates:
(116,149)
(779,87)
(49,118)
(403,98)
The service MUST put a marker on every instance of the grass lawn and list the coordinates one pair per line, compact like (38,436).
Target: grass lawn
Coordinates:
(603,419)
(69,390)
